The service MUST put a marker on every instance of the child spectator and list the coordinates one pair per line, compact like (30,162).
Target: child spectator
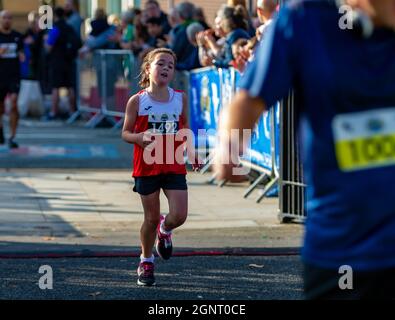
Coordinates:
(152,10)
(155,31)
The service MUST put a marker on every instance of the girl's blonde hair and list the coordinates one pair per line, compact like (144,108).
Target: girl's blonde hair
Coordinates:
(149,57)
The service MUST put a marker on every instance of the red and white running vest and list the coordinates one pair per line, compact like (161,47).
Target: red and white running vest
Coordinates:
(163,119)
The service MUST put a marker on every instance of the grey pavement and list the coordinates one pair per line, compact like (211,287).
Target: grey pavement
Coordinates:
(99,207)
(68,189)
(192,278)
(53,144)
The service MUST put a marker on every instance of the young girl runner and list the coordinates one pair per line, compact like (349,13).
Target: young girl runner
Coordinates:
(158,111)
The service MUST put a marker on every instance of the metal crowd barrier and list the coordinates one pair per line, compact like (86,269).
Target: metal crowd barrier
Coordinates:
(292,190)
(106,80)
(267,177)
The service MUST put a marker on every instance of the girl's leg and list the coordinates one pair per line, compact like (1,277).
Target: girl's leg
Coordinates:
(178,206)
(151,205)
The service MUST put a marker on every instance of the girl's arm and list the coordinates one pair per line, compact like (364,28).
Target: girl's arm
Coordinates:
(193,156)
(128,135)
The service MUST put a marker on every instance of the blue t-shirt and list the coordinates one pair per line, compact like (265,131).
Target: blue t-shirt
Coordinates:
(345,87)
(53,36)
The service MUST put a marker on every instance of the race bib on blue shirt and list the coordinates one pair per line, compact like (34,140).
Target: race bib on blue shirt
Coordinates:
(365,140)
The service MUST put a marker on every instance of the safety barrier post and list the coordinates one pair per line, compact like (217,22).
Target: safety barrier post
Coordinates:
(121,66)
(85,77)
(291,186)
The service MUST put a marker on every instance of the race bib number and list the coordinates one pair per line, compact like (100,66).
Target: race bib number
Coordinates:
(365,140)
(11,50)
(163,124)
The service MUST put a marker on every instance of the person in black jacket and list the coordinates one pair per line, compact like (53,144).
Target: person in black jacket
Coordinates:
(62,48)
(193,61)
(152,10)
(33,40)
(11,52)
(179,40)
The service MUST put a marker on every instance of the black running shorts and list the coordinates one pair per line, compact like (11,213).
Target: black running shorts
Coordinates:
(10,87)
(61,75)
(148,185)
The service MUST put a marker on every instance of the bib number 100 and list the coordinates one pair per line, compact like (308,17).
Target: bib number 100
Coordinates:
(366,153)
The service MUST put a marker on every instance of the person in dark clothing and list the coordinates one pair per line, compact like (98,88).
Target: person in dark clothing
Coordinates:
(73,17)
(11,52)
(193,61)
(61,55)
(235,28)
(74,20)
(33,42)
(155,30)
(152,10)
(179,41)
(99,24)
(344,84)
(243,4)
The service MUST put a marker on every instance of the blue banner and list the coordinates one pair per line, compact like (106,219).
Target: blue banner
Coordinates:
(227,77)
(260,151)
(205,104)
(277,135)
(212,89)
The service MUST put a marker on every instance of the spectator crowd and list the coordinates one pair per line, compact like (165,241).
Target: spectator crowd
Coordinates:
(50,55)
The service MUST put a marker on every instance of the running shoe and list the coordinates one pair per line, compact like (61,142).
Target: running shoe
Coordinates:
(164,245)
(12,144)
(145,273)
(49,117)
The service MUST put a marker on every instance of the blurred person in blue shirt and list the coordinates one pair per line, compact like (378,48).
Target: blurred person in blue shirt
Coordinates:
(344,81)
(73,18)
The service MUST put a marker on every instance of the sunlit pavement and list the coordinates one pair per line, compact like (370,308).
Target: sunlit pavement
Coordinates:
(68,189)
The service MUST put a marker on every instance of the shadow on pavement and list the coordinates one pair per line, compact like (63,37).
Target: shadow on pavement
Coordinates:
(180,278)
(21,212)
